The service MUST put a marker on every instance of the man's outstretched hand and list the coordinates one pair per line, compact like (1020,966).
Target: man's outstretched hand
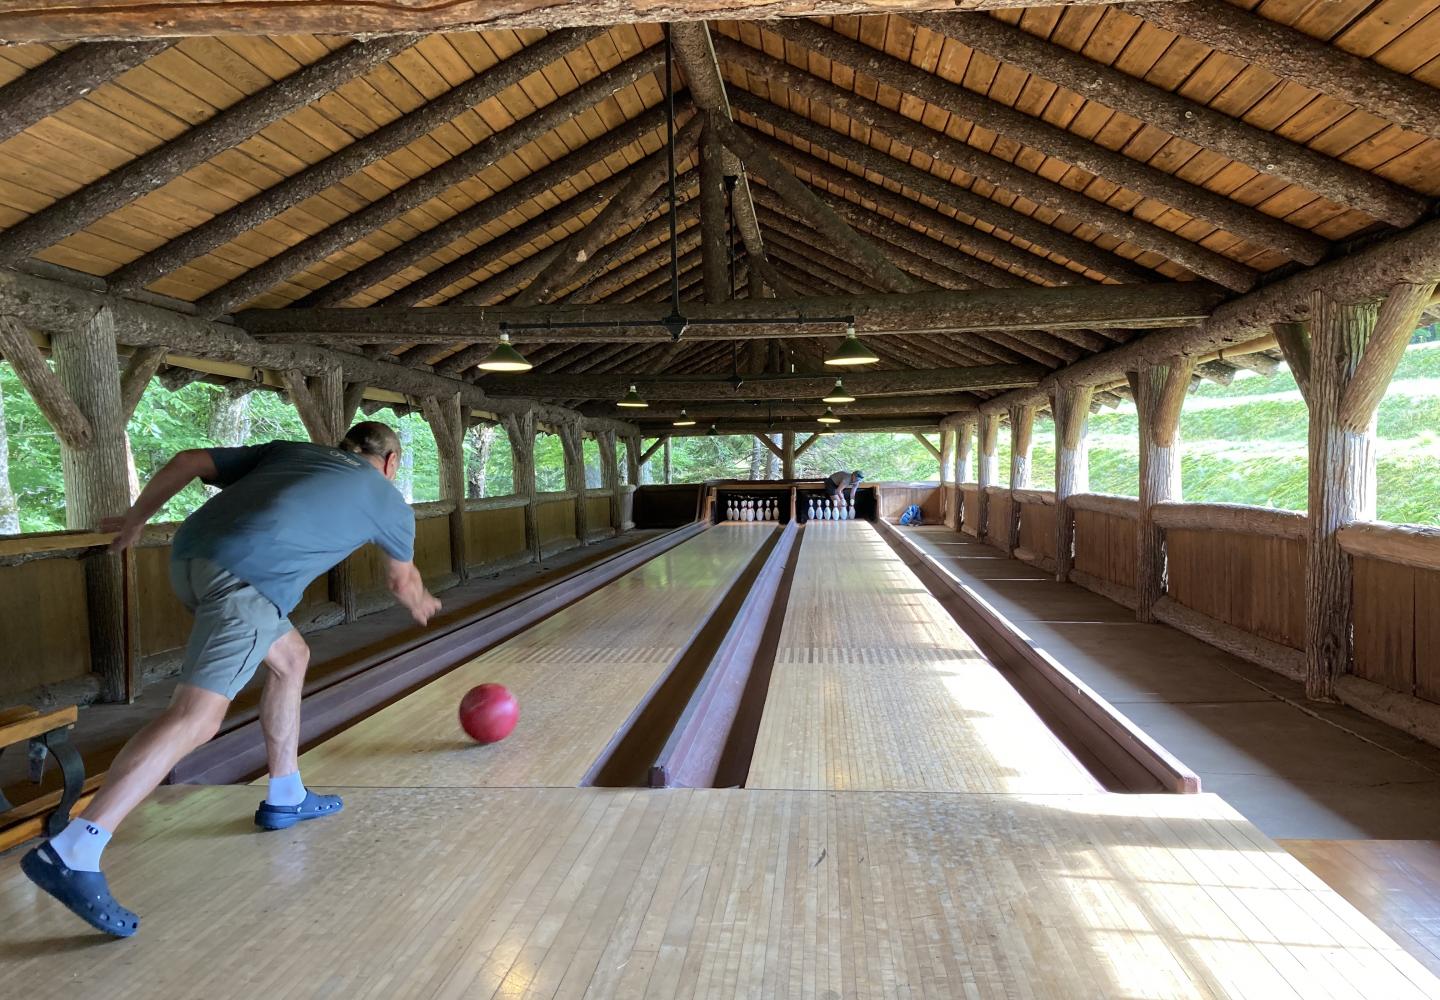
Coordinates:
(425,609)
(126,532)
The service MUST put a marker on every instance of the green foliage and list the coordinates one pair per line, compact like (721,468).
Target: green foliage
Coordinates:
(549,464)
(594,478)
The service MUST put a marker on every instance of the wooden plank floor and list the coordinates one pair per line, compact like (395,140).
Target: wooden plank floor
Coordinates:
(476,893)
(577,675)
(1395,883)
(876,687)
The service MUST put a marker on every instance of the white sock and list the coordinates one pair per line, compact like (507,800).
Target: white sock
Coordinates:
(287,790)
(79,845)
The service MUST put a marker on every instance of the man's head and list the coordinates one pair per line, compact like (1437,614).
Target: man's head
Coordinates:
(377,444)
(857,475)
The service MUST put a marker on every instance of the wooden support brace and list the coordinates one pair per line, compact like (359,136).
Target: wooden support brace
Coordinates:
(774,449)
(929,445)
(1159,392)
(65,418)
(804,446)
(139,370)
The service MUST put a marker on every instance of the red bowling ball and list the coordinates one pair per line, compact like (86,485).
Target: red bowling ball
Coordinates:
(489,713)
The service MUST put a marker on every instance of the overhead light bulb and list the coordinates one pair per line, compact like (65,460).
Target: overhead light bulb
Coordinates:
(684,420)
(505,358)
(828,417)
(631,400)
(712,432)
(851,351)
(838,394)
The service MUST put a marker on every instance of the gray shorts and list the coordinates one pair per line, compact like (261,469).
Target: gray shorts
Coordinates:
(234,626)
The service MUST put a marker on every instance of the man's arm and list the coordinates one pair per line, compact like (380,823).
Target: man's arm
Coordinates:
(409,589)
(170,480)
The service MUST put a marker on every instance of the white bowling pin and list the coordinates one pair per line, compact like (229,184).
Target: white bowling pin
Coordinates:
(810,512)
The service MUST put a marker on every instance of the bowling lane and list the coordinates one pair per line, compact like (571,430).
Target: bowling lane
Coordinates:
(875,687)
(577,675)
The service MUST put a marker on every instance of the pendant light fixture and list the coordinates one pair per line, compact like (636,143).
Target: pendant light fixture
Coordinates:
(684,420)
(505,358)
(712,432)
(632,401)
(838,394)
(851,351)
(828,417)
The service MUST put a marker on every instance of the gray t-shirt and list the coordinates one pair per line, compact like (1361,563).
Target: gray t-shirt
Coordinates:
(289,511)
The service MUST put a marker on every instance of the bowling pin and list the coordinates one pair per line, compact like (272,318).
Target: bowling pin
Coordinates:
(810,512)
(749,510)
(851,515)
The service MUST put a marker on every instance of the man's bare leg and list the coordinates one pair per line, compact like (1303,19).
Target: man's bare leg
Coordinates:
(193,716)
(287,661)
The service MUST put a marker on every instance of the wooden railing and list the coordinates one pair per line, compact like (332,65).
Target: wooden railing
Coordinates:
(1396,611)
(1036,544)
(970,509)
(892,498)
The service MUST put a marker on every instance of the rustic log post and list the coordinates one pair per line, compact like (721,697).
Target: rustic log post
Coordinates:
(667,460)
(610,475)
(787,455)
(1159,392)
(987,432)
(714,238)
(446,418)
(1342,359)
(1022,434)
(320,402)
(572,446)
(51,398)
(520,429)
(633,459)
(97,486)
(1071,407)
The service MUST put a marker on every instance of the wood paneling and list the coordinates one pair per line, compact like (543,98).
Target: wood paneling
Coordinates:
(1397,637)
(1253,582)
(1037,529)
(493,535)
(1105,547)
(556,520)
(892,498)
(43,635)
(597,513)
(997,522)
(970,515)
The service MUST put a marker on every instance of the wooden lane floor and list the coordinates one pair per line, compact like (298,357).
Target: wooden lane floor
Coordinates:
(577,675)
(875,687)
(608,893)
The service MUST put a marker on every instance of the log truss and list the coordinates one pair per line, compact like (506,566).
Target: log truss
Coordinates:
(1020,196)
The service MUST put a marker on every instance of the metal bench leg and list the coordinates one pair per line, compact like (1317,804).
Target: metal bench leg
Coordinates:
(72,768)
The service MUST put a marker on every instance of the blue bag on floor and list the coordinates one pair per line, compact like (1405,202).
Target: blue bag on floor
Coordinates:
(912,515)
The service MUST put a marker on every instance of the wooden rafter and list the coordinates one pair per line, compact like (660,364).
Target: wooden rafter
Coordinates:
(1233,137)
(65,78)
(1294,55)
(229,128)
(1196,201)
(415,193)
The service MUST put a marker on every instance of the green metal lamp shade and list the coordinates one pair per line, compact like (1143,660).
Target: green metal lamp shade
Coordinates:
(632,400)
(852,352)
(838,394)
(684,420)
(828,417)
(505,358)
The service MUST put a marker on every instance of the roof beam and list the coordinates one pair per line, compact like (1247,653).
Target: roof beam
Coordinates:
(901,425)
(54,20)
(65,78)
(871,384)
(571,258)
(348,161)
(654,225)
(412,195)
(1002,173)
(1134,306)
(1300,58)
(163,164)
(1192,121)
(760,411)
(646,263)
(816,212)
(695,51)
(714,216)
(1043,239)
(1201,203)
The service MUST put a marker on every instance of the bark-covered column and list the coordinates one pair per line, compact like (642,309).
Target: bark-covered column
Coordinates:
(987,435)
(632,459)
(667,461)
(320,402)
(1071,406)
(610,476)
(1159,391)
(520,429)
(446,417)
(572,445)
(1022,433)
(97,484)
(714,234)
(787,461)
(1342,358)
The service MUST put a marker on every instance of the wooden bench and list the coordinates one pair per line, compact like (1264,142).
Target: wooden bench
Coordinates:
(46,734)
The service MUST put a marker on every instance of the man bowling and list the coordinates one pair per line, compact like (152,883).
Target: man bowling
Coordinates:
(286,513)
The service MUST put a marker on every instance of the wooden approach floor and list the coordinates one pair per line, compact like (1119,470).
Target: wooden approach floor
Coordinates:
(577,676)
(875,687)
(474,892)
